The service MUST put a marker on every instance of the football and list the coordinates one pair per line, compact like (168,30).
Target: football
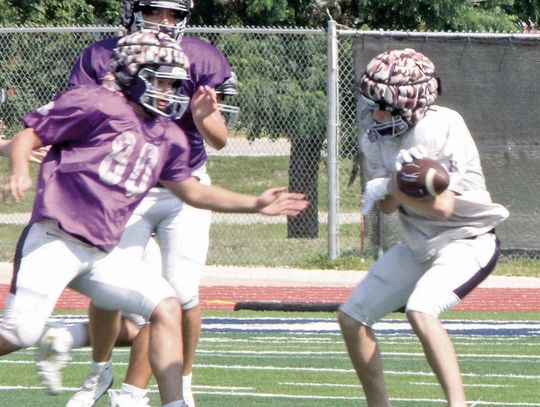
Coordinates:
(422,178)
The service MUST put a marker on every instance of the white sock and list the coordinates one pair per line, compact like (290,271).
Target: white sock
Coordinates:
(177,403)
(186,381)
(100,366)
(78,335)
(135,392)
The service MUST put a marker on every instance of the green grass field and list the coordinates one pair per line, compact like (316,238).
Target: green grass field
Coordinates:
(266,244)
(311,368)
(258,174)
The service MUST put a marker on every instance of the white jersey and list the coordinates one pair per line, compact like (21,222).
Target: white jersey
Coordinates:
(446,137)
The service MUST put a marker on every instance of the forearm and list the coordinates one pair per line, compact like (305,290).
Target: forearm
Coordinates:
(20,148)
(212,197)
(441,205)
(222,200)
(214,129)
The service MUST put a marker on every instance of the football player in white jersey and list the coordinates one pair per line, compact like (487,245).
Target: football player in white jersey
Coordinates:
(448,242)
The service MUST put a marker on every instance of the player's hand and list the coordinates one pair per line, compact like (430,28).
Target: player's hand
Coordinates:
(38,155)
(275,201)
(406,156)
(376,189)
(204,102)
(16,187)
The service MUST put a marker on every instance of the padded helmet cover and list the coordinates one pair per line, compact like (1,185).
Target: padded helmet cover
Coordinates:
(403,79)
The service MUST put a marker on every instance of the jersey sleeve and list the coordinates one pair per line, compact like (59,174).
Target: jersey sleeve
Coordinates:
(70,116)
(93,64)
(447,139)
(460,155)
(222,70)
(208,65)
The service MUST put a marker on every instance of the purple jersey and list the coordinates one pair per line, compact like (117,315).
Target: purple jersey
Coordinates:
(104,159)
(208,66)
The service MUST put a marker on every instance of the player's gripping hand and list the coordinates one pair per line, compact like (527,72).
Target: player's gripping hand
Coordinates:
(16,187)
(406,156)
(376,189)
(39,154)
(274,202)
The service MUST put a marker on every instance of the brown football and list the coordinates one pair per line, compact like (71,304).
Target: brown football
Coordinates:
(422,178)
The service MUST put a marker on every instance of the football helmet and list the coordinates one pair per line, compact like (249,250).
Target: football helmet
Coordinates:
(141,61)
(226,89)
(402,82)
(132,17)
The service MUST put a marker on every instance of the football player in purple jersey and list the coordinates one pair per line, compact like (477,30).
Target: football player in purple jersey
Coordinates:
(108,148)
(182,230)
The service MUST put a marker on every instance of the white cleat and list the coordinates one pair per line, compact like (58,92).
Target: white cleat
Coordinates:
(53,354)
(126,400)
(96,384)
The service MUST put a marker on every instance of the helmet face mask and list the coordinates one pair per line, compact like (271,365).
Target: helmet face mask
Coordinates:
(149,67)
(230,113)
(169,103)
(395,127)
(133,15)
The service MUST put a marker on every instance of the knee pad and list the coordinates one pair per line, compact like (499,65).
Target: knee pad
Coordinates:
(168,309)
(22,325)
(21,335)
(187,291)
(191,302)
(136,319)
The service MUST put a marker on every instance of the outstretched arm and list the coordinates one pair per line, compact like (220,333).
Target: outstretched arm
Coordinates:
(208,118)
(20,149)
(272,202)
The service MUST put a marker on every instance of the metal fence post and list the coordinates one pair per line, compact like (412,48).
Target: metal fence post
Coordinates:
(332,133)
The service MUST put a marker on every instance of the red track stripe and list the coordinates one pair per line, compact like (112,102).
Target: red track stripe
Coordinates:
(224,297)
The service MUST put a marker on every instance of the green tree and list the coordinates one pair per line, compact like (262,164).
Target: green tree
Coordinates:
(427,15)
(282,94)
(527,11)
(59,12)
(431,15)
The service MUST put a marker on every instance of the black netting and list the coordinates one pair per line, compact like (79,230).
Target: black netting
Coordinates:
(493,83)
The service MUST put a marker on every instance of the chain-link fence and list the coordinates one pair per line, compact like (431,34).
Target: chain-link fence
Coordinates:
(290,82)
(280,140)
